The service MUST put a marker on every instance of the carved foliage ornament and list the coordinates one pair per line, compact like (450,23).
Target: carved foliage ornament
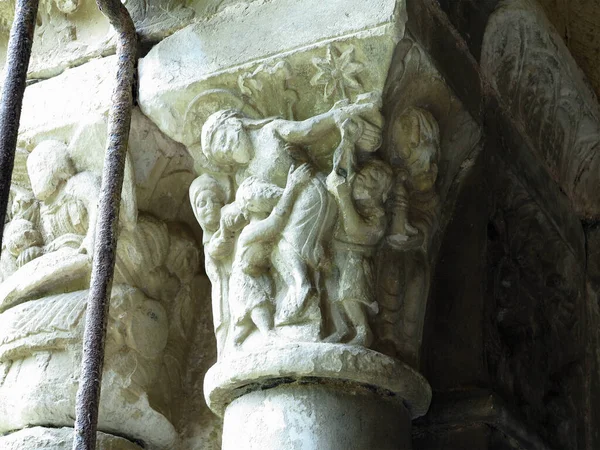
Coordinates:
(539,82)
(534,342)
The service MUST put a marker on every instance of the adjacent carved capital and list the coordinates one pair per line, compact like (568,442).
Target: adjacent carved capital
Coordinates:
(45,269)
(539,83)
(59,439)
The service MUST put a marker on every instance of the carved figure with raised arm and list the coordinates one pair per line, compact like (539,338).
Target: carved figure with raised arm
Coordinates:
(267,208)
(266,150)
(361,225)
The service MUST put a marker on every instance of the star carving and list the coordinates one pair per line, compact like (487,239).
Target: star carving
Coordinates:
(337,71)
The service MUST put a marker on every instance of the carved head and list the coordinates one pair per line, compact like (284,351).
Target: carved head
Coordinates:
(419,144)
(48,166)
(207,198)
(20,234)
(372,183)
(225,141)
(255,197)
(183,259)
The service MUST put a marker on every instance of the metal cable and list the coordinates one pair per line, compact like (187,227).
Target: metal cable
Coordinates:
(88,395)
(11,99)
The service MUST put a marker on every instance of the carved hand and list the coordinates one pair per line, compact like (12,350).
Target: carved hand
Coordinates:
(87,246)
(298,176)
(347,112)
(337,184)
(232,217)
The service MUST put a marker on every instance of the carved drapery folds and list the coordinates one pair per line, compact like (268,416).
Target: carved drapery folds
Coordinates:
(44,280)
(320,217)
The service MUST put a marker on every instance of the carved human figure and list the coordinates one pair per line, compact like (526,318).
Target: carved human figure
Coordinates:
(414,210)
(68,201)
(208,198)
(22,240)
(361,225)
(140,325)
(266,149)
(417,152)
(267,208)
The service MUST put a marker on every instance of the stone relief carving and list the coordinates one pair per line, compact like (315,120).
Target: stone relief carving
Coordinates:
(292,239)
(337,72)
(414,209)
(535,343)
(267,89)
(540,84)
(45,275)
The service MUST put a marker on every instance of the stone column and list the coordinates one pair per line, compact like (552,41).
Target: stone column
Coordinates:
(326,160)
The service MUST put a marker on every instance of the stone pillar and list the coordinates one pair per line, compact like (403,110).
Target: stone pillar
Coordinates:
(316,396)
(326,159)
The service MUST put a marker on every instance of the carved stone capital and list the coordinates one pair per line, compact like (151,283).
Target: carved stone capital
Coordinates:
(328,163)
(546,93)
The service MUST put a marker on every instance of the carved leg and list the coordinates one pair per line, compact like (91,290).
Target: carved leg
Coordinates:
(262,316)
(241,331)
(340,323)
(294,272)
(358,319)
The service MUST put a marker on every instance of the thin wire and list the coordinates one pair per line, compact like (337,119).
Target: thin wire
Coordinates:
(88,395)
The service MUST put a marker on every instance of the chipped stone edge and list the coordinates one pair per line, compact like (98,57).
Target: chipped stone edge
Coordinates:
(242,372)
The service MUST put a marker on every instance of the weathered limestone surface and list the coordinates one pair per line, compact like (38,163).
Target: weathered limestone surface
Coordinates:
(46,263)
(545,91)
(265,76)
(71,32)
(336,183)
(299,417)
(321,219)
(39,438)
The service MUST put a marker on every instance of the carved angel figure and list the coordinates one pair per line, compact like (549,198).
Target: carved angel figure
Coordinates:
(361,225)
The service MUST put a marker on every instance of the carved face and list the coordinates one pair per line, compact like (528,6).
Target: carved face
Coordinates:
(231,144)
(208,210)
(372,184)
(48,166)
(423,168)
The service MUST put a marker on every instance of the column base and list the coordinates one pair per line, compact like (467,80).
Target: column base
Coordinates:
(40,438)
